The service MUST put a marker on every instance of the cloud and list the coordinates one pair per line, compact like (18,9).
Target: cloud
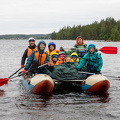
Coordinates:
(45,16)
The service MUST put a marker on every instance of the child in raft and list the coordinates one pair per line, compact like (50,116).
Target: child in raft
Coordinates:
(54,59)
(74,57)
(51,48)
(61,57)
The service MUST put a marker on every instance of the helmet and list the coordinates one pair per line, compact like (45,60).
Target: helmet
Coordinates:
(61,53)
(91,46)
(52,43)
(74,54)
(31,39)
(54,53)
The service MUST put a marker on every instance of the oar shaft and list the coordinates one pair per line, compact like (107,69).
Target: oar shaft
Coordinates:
(14,73)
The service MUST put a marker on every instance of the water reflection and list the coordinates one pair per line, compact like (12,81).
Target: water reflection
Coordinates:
(2,93)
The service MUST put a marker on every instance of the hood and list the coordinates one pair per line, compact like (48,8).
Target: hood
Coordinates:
(41,51)
(77,40)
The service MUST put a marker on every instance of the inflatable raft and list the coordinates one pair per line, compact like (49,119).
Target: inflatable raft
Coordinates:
(97,84)
(43,84)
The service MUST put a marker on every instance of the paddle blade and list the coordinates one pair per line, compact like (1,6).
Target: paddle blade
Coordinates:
(3,81)
(109,50)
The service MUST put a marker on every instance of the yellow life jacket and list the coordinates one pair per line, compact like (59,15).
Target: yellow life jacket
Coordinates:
(50,52)
(77,60)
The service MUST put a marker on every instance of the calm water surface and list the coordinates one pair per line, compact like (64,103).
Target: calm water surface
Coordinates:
(18,104)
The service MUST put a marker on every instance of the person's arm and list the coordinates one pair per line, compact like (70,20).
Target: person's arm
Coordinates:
(100,63)
(47,58)
(24,57)
(82,62)
(29,61)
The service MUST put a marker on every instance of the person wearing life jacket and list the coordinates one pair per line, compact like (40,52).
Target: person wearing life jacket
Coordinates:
(61,57)
(81,48)
(74,57)
(54,59)
(52,48)
(32,47)
(37,58)
(91,61)
(67,59)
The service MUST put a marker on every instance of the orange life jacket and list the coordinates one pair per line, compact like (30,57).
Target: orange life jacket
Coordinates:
(40,57)
(52,63)
(60,61)
(30,51)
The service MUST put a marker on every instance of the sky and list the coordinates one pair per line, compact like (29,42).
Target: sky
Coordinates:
(47,16)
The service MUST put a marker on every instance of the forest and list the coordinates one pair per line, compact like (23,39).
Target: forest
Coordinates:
(108,30)
(24,36)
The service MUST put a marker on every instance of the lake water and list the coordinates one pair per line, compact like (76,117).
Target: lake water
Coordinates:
(18,104)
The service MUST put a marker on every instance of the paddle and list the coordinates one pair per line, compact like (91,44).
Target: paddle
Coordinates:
(104,75)
(109,50)
(106,50)
(20,74)
(5,80)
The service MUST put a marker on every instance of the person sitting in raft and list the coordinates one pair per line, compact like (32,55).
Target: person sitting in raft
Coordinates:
(67,59)
(74,57)
(37,58)
(80,48)
(54,59)
(61,57)
(91,61)
(52,48)
(32,47)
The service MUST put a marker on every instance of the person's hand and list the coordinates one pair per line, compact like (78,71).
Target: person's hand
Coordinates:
(22,66)
(61,49)
(49,64)
(78,68)
(97,72)
(23,71)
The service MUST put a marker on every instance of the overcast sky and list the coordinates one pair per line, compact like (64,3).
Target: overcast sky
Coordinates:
(46,16)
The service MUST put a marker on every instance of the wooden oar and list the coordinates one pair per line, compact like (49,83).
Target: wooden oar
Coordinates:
(106,50)
(5,80)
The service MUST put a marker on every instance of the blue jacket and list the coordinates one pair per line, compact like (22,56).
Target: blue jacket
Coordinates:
(91,62)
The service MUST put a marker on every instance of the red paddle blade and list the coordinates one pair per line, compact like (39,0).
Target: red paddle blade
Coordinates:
(3,81)
(109,50)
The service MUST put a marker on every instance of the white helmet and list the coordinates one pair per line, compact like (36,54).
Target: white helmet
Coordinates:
(31,39)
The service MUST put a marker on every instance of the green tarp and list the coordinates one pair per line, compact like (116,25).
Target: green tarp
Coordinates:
(64,71)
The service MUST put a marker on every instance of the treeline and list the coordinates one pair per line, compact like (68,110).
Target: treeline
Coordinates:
(108,29)
(23,36)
